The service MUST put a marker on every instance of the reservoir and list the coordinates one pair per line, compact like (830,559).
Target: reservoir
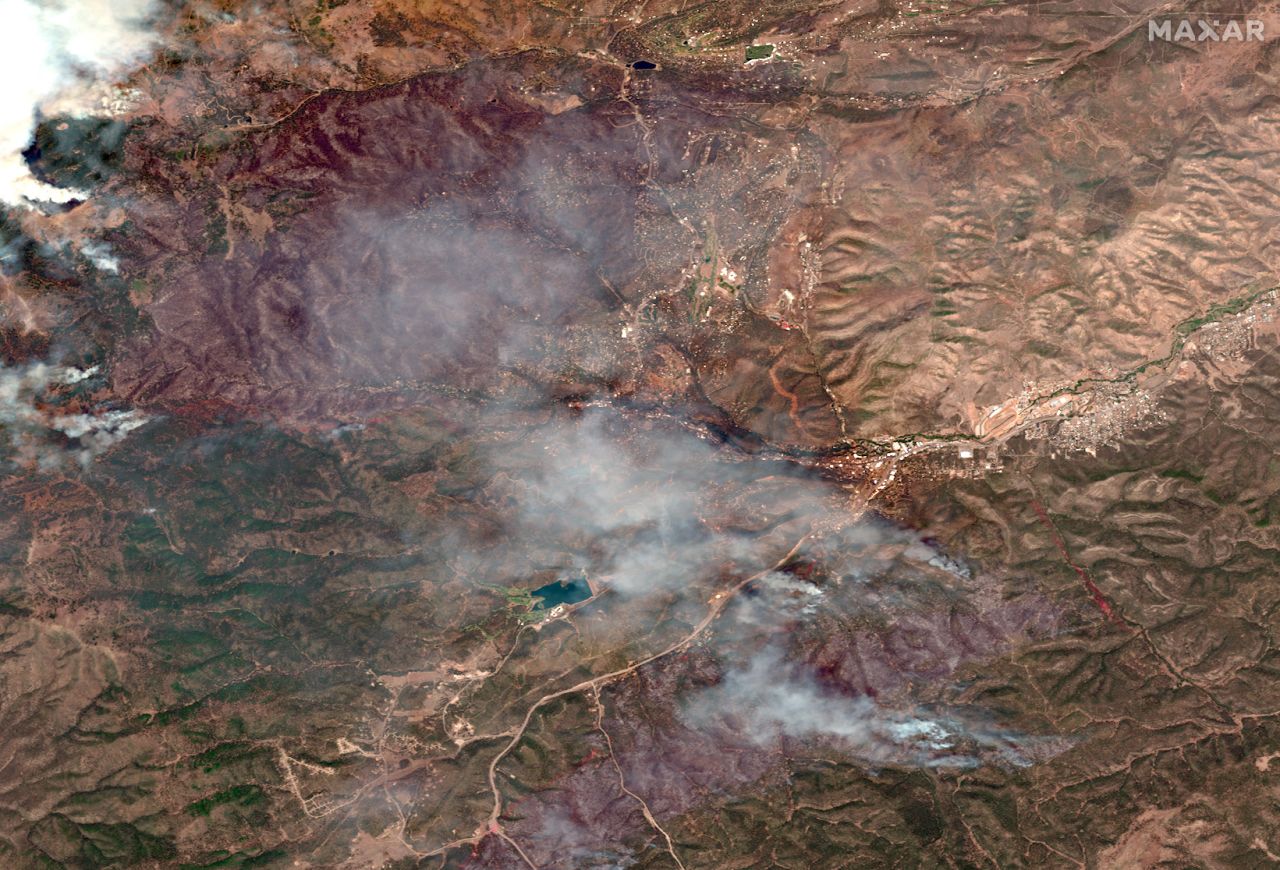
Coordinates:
(562,592)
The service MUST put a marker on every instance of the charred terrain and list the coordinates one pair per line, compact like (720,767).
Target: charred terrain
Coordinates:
(663,434)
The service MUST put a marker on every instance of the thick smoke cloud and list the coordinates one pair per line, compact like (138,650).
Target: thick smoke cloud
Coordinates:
(653,513)
(33,427)
(54,50)
(656,513)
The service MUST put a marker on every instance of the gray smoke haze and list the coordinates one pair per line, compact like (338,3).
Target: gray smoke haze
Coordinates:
(445,282)
(767,699)
(663,517)
(654,511)
(577,842)
(644,507)
(354,310)
(663,512)
(650,511)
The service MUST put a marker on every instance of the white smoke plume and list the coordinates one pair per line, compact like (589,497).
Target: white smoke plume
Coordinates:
(55,50)
(29,422)
(637,515)
(100,254)
(767,700)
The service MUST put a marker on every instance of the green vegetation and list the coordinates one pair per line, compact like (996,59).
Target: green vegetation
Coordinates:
(9,609)
(245,795)
(523,604)
(239,860)
(98,845)
(216,758)
(216,236)
(78,152)
(759,52)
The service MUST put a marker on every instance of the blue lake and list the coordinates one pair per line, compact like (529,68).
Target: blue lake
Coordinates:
(562,592)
